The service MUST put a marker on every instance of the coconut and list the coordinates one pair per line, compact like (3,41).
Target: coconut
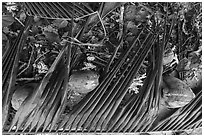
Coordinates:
(176,93)
(21,93)
(83,81)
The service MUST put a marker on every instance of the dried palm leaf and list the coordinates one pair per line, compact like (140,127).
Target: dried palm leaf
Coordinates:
(55,10)
(10,68)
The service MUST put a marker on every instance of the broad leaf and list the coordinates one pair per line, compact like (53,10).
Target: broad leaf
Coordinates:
(7,20)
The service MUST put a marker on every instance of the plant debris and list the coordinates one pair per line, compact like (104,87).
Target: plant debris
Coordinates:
(84,45)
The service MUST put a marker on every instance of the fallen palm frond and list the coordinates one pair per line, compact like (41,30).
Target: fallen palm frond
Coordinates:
(57,9)
(10,68)
(38,98)
(120,91)
(188,116)
(101,98)
(102,109)
(47,102)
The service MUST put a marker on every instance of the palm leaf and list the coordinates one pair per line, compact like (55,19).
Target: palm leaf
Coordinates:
(100,110)
(10,63)
(57,9)
(131,76)
(142,95)
(186,111)
(35,100)
(108,101)
(154,99)
(107,7)
(101,86)
(53,95)
(75,123)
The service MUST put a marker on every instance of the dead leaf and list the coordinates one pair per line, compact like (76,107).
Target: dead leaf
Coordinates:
(63,24)
(51,36)
(7,20)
